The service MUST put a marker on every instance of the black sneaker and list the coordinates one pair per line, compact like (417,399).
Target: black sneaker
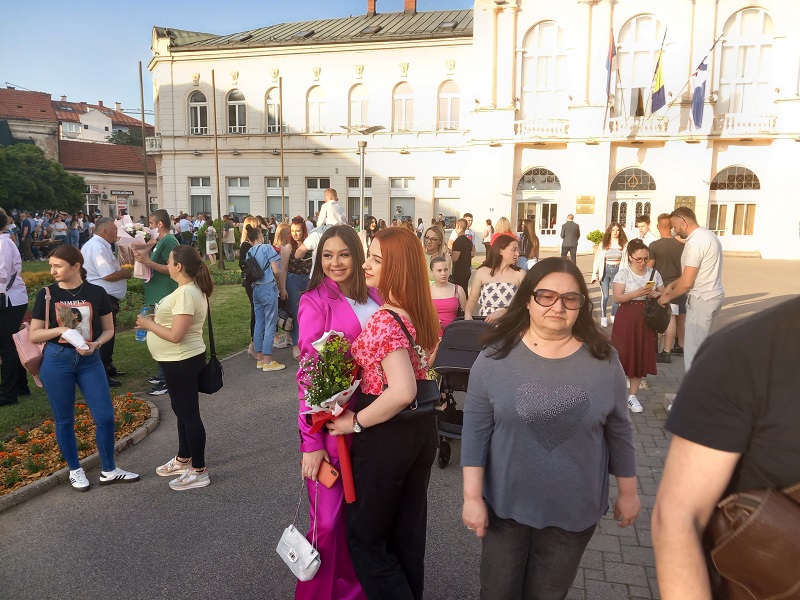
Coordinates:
(677,350)
(155,380)
(114,382)
(665,357)
(158,389)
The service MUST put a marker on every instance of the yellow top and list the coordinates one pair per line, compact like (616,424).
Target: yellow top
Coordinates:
(186,300)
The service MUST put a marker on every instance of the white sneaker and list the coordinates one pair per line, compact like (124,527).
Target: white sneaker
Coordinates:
(603,322)
(78,480)
(117,476)
(633,404)
(280,344)
(173,467)
(190,479)
(611,319)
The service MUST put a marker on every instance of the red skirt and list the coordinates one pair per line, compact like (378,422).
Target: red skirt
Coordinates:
(634,340)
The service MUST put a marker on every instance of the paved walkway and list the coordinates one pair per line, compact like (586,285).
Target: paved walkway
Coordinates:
(145,541)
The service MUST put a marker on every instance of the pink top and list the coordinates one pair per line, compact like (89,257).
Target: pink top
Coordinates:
(447,309)
(381,336)
(322,309)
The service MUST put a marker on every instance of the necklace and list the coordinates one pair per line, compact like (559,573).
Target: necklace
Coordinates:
(78,291)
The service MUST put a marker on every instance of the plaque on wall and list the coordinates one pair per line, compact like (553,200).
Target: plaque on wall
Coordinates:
(584,205)
(688,201)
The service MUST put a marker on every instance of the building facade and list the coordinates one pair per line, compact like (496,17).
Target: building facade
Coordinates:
(93,122)
(516,108)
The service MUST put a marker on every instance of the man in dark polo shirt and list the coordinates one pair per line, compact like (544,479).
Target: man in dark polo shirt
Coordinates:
(462,256)
(665,257)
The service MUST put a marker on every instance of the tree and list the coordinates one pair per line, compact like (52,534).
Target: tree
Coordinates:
(132,137)
(30,180)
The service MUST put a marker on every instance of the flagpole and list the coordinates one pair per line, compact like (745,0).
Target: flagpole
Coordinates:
(608,86)
(678,95)
(655,72)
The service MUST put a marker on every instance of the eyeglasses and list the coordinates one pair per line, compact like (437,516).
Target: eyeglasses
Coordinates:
(570,300)
(640,260)
(430,239)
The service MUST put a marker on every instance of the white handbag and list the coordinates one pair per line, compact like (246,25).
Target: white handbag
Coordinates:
(300,555)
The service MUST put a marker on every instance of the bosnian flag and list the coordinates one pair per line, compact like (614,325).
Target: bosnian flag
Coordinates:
(659,94)
(610,62)
(700,77)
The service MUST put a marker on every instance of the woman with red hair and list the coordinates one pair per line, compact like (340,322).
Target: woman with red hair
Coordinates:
(392,455)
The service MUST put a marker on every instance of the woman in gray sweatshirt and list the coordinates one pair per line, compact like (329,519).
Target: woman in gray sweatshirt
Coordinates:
(545,423)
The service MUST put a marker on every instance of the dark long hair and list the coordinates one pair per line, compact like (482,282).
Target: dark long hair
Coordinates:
(358,287)
(72,255)
(494,259)
(368,221)
(190,260)
(516,320)
(623,238)
(529,231)
(298,220)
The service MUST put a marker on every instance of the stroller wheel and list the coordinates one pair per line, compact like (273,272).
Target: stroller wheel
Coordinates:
(444,454)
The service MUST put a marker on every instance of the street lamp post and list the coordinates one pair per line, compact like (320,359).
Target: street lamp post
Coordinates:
(362,150)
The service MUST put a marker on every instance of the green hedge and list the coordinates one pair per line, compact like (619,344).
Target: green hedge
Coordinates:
(219,226)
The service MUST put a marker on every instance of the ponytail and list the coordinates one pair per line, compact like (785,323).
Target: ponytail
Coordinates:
(203,279)
(195,268)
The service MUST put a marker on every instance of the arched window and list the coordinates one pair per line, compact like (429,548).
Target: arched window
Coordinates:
(237,112)
(736,178)
(536,200)
(403,107)
(746,63)
(544,73)
(359,106)
(316,110)
(538,179)
(633,179)
(449,106)
(198,114)
(273,111)
(638,45)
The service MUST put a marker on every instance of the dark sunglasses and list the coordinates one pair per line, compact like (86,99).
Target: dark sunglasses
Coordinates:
(547,298)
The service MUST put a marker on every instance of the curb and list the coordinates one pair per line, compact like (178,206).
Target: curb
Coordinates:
(42,485)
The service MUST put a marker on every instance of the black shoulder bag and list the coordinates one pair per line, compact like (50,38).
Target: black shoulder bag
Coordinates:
(656,316)
(209,380)
(428,399)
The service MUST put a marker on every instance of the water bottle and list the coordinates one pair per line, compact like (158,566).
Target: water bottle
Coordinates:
(141,334)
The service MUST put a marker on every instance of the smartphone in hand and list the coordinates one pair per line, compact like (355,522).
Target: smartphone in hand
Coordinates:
(327,474)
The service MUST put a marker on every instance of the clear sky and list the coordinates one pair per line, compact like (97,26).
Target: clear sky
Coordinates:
(90,50)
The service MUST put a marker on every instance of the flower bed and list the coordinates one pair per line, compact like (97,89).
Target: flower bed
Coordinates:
(33,454)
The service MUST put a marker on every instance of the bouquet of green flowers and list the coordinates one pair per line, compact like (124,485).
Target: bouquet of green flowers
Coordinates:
(329,376)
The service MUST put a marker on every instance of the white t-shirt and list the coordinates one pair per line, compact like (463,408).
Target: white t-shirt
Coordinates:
(633,281)
(311,243)
(649,237)
(704,251)
(99,262)
(331,213)
(364,311)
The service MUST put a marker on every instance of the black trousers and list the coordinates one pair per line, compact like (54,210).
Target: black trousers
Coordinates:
(249,289)
(13,377)
(386,525)
(107,349)
(572,251)
(181,377)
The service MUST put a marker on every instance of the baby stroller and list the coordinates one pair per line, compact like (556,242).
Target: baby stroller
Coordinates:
(460,346)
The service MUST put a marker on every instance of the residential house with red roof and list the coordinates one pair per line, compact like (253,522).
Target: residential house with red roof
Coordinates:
(30,117)
(93,122)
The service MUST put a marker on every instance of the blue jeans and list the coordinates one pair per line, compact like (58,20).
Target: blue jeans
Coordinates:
(73,236)
(295,285)
(62,368)
(607,287)
(265,306)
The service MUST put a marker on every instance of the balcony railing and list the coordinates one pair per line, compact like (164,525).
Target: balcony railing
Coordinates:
(237,128)
(153,144)
(274,128)
(448,126)
(198,130)
(541,128)
(638,126)
(734,124)
(316,128)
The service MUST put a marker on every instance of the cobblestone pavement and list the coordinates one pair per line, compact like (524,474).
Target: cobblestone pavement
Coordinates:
(149,542)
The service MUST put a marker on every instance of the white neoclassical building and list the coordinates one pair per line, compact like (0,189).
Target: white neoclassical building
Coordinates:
(508,109)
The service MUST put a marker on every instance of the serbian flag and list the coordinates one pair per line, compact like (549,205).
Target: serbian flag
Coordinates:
(659,93)
(700,77)
(610,62)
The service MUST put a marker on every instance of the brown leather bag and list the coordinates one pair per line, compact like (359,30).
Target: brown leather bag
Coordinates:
(753,545)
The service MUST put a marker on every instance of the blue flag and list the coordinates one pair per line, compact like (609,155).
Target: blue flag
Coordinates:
(610,60)
(699,94)
(659,93)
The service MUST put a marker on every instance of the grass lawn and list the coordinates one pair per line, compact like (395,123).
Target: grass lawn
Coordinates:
(231,314)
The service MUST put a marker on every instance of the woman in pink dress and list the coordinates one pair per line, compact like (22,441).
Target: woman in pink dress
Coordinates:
(337,298)
(447,297)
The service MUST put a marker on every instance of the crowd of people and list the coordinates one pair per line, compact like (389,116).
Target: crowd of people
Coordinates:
(546,415)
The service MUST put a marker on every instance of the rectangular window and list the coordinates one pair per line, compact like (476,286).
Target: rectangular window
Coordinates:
(200,203)
(237,118)
(238,182)
(240,204)
(399,183)
(353,204)
(716,218)
(744,216)
(199,120)
(275,182)
(355,182)
(549,214)
(321,183)
(441,183)
(200,181)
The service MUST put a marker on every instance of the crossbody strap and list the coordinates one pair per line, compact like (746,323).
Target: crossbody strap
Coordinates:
(414,345)
(11,281)
(316,512)
(211,331)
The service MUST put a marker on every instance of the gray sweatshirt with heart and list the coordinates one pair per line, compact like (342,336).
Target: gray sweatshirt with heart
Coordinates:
(548,432)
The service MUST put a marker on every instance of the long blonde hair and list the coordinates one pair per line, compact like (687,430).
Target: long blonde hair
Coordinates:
(283,232)
(502,225)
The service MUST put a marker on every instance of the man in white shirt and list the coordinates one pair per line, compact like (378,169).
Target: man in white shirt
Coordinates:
(643,224)
(185,229)
(102,268)
(331,213)
(701,280)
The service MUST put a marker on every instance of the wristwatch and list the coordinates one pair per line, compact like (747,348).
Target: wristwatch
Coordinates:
(357,427)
